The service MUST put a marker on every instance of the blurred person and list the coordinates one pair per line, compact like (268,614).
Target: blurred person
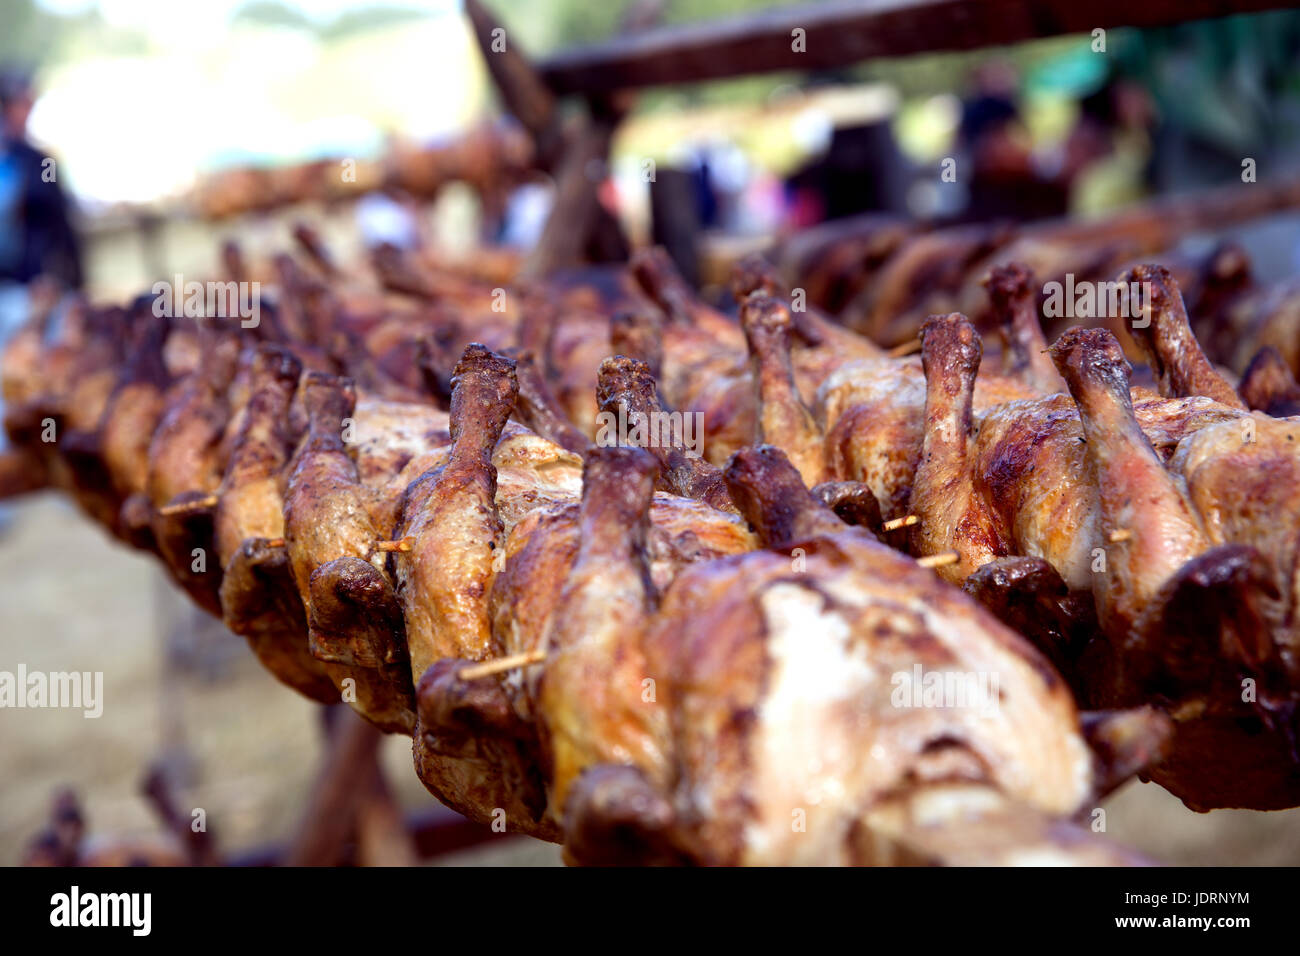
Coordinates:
(1003,179)
(390,216)
(1108,154)
(36,232)
(39,250)
(862,170)
(990,114)
(527,207)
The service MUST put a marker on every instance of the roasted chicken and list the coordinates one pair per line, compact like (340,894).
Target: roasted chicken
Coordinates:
(477,515)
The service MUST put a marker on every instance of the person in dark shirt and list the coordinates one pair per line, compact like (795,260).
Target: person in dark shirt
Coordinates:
(1002,176)
(37,240)
(36,232)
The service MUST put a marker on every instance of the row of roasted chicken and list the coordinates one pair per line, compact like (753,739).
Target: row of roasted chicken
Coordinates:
(694,694)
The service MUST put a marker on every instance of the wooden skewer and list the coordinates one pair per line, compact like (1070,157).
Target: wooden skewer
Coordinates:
(1189,709)
(401,545)
(939,560)
(907,348)
(905,522)
(185,507)
(1120,534)
(275,542)
(501,664)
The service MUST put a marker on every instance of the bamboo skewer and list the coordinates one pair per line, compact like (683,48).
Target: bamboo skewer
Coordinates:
(1120,534)
(907,348)
(939,560)
(501,665)
(187,507)
(400,545)
(904,522)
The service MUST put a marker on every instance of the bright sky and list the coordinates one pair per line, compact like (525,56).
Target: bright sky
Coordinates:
(144,13)
(135,129)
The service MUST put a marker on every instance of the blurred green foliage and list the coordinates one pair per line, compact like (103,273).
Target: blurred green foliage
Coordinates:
(369,17)
(27,34)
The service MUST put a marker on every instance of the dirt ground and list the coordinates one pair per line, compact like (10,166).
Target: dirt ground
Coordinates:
(247,748)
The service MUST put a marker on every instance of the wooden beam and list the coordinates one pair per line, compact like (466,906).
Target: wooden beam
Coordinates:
(435,830)
(576,212)
(330,813)
(841,33)
(1160,221)
(522,90)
